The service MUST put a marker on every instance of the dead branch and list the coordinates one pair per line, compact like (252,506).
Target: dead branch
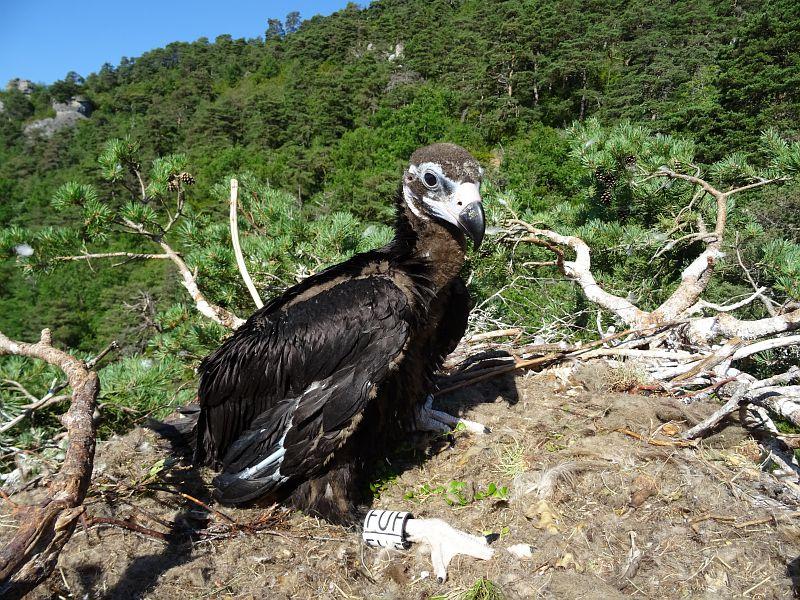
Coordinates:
(711,360)
(770,344)
(237,249)
(579,270)
(769,303)
(31,555)
(701,304)
(129,525)
(793,374)
(780,402)
(92,362)
(47,400)
(555,354)
(702,428)
(696,276)
(479,337)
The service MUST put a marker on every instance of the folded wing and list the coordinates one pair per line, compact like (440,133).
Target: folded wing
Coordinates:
(288,388)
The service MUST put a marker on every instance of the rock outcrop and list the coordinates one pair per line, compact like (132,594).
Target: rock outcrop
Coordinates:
(68,114)
(23,85)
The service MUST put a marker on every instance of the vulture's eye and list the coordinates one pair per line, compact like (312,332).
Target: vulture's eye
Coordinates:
(430,179)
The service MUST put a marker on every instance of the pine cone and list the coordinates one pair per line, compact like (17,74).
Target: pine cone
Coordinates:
(607,180)
(175,181)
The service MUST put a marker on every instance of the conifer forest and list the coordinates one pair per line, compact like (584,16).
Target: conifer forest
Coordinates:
(634,343)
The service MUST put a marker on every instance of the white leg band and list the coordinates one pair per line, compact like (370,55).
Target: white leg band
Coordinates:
(386,529)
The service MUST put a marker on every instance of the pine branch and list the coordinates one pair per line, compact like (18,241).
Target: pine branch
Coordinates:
(757,184)
(214,312)
(133,255)
(696,276)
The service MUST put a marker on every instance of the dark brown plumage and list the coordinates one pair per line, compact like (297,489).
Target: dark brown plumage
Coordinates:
(304,394)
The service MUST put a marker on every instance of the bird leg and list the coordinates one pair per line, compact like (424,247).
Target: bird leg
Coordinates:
(445,542)
(392,529)
(429,419)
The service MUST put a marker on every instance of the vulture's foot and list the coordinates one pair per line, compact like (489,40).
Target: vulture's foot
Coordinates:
(445,542)
(437,421)
(391,529)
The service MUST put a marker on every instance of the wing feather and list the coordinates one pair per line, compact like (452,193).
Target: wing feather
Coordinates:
(281,395)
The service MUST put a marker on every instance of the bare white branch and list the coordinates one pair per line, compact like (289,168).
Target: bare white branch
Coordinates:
(579,270)
(237,249)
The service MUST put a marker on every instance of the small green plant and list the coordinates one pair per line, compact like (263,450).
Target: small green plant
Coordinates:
(424,492)
(385,477)
(483,589)
(492,491)
(457,493)
(504,531)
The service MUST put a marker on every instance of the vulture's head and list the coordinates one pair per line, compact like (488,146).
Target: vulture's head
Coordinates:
(442,183)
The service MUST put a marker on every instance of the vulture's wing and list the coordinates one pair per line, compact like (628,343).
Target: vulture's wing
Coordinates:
(281,394)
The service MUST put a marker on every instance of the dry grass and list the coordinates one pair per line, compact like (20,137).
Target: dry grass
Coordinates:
(511,460)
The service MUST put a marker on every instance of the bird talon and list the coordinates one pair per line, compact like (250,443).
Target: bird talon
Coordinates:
(445,542)
(429,419)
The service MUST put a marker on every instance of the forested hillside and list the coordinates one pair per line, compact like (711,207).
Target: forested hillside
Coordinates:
(319,117)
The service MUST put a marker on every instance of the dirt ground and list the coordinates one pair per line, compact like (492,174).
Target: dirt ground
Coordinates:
(595,485)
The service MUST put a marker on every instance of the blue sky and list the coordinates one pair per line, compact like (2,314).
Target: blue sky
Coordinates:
(42,40)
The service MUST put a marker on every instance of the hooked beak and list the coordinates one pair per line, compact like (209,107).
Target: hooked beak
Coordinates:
(463,209)
(471,219)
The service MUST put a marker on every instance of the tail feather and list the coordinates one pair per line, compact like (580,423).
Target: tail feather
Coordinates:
(231,489)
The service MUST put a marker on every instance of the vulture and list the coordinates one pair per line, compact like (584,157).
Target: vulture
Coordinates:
(301,399)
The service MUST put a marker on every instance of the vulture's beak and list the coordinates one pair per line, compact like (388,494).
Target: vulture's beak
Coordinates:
(470,219)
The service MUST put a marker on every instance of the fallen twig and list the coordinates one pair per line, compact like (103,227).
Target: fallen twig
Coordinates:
(214,511)
(129,525)
(494,334)
(461,380)
(655,442)
(635,556)
(710,422)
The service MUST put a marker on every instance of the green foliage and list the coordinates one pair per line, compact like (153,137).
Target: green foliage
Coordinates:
(117,156)
(73,193)
(317,122)
(482,589)
(138,387)
(783,259)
